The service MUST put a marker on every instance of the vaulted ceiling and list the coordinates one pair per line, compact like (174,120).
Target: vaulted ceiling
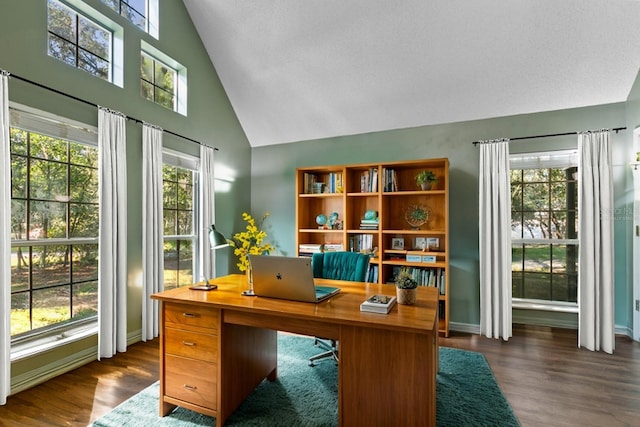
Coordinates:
(299,70)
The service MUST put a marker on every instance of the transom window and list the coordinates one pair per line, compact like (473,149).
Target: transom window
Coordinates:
(134,10)
(79,41)
(544,224)
(54,231)
(158,81)
(180,240)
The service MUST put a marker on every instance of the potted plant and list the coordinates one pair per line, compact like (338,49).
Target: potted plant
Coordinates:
(406,288)
(425,179)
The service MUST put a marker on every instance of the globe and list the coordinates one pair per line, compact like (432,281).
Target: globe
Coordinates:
(321,220)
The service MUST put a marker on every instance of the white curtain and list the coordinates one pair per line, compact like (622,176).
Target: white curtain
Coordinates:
(112,273)
(495,240)
(207,212)
(5,242)
(152,228)
(595,278)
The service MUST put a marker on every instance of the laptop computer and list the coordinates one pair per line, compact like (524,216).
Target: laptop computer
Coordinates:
(287,278)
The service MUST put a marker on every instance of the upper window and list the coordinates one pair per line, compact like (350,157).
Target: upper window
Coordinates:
(157,81)
(142,13)
(162,80)
(79,41)
(179,176)
(54,228)
(84,39)
(544,218)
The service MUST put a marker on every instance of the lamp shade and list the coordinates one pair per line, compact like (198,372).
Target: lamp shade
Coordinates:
(216,238)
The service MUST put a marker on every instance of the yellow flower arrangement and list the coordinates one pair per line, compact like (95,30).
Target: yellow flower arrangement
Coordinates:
(250,241)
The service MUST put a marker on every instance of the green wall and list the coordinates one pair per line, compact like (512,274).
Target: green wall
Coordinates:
(210,120)
(273,185)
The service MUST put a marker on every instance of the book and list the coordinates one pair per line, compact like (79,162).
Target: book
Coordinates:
(378,304)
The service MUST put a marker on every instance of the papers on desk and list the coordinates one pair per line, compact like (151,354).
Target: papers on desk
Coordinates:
(378,304)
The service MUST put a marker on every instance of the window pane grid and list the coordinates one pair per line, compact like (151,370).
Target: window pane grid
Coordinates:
(158,82)
(178,213)
(53,199)
(78,41)
(544,234)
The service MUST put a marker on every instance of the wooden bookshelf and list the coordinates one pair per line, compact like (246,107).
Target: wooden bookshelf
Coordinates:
(388,189)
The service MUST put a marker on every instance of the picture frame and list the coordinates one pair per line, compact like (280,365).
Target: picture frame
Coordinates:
(433,243)
(420,244)
(397,243)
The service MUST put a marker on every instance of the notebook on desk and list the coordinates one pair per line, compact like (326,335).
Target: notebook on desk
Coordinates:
(287,278)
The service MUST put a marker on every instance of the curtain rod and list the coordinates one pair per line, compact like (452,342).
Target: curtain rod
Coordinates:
(616,130)
(84,101)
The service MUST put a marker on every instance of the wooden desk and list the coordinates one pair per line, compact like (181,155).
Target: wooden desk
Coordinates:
(217,346)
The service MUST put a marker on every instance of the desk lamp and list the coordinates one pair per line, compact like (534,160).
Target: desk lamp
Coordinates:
(217,241)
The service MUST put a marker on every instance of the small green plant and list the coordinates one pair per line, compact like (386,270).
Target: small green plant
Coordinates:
(426,177)
(404,280)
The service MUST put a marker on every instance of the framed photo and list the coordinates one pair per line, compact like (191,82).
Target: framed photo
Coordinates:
(433,243)
(397,243)
(420,244)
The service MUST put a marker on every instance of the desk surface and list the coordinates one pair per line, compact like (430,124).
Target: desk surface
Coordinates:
(343,308)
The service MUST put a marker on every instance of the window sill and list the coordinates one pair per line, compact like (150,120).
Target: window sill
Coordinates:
(46,342)
(556,306)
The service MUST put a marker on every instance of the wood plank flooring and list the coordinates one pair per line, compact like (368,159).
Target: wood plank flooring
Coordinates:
(547,380)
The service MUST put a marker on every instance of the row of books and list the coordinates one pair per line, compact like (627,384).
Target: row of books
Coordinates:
(372,277)
(426,276)
(308,249)
(389,180)
(334,184)
(360,242)
(369,181)
(369,224)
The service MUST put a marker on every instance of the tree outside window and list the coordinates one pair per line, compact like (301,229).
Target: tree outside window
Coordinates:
(544,233)
(158,81)
(54,231)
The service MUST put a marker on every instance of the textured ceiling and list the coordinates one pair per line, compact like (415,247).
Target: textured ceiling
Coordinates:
(299,70)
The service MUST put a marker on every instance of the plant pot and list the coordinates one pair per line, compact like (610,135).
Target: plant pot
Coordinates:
(426,185)
(407,296)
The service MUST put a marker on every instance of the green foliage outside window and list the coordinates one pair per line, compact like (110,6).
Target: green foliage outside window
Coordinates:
(54,195)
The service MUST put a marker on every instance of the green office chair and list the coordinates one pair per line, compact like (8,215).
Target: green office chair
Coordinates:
(351,266)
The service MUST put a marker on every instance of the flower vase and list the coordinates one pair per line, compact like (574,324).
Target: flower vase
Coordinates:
(407,296)
(249,277)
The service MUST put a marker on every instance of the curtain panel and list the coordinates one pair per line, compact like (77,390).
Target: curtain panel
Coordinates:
(5,242)
(495,240)
(112,269)
(206,212)
(595,279)
(152,228)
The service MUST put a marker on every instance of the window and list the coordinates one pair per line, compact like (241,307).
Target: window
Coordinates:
(54,226)
(142,13)
(162,80)
(79,41)
(544,203)
(180,240)
(157,81)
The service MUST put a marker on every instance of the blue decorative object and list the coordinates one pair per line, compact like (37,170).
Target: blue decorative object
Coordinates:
(321,220)
(370,214)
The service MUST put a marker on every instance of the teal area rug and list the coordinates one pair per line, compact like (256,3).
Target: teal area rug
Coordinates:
(467,395)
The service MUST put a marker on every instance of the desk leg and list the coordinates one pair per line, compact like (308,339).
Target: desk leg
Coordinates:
(386,378)
(247,356)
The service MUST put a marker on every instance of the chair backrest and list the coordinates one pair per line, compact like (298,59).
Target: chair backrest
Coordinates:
(351,266)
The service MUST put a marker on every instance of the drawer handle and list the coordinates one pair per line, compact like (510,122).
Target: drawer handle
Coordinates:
(189,343)
(190,387)
(190,315)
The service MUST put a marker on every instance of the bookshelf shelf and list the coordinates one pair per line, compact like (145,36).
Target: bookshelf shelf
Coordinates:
(388,190)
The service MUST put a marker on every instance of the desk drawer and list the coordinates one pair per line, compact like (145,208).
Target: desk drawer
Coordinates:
(191,344)
(191,315)
(190,380)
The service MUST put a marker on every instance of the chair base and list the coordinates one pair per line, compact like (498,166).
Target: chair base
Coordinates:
(331,352)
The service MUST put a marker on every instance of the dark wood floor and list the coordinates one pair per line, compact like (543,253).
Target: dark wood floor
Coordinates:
(547,380)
